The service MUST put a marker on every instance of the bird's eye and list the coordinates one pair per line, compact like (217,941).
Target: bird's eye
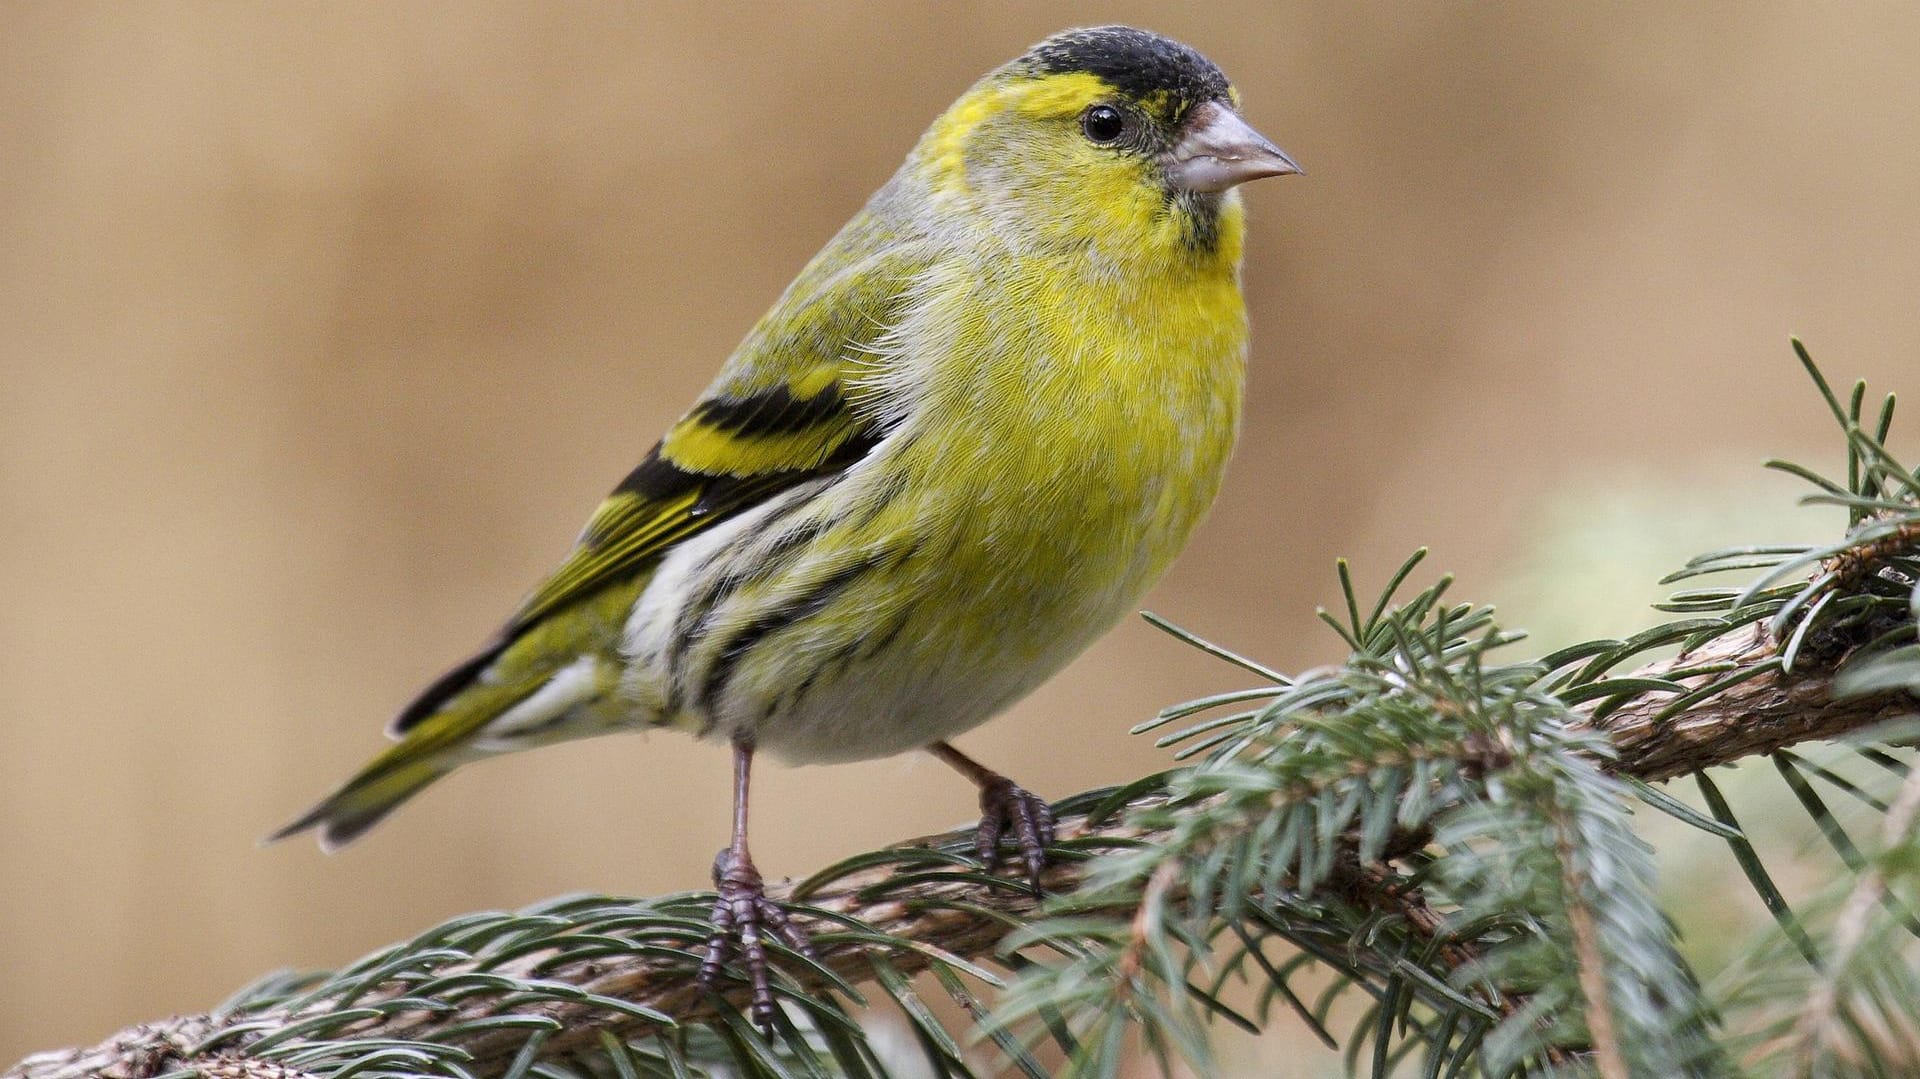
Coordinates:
(1103,123)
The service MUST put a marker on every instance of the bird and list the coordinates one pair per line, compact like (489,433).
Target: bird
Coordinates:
(963,443)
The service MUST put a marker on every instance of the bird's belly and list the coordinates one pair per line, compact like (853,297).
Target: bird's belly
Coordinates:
(952,665)
(999,591)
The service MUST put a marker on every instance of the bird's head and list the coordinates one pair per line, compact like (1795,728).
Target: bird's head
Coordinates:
(1108,138)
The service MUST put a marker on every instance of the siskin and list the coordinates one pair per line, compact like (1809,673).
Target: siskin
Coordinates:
(974,430)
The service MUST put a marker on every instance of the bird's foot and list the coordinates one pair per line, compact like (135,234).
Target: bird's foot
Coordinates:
(743,918)
(1006,807)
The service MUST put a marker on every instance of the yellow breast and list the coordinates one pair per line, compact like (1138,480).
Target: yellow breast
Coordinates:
(1084,422)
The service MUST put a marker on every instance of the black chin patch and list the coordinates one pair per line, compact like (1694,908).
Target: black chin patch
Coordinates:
(1137,63)
(1200,215)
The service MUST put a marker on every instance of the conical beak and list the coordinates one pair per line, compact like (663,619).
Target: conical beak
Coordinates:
(1218,150)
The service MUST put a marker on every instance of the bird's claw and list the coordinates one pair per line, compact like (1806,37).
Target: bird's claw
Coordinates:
(743,916)
(1006,807)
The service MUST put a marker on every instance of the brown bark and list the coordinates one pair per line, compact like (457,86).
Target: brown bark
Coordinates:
(1755,717)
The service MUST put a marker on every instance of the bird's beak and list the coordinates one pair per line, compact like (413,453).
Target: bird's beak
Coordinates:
(1218,150)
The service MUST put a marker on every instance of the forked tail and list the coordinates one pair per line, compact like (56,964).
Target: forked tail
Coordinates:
(368,797)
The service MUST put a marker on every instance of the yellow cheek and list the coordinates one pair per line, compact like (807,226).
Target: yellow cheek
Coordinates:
(1101,189)
(1114,193)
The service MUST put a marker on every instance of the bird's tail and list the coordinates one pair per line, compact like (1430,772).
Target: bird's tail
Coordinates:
(439,732)
(431,739)
(359,805)
(532,686)
(514,698)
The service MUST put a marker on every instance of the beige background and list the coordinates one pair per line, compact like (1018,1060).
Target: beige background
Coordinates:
(322,327)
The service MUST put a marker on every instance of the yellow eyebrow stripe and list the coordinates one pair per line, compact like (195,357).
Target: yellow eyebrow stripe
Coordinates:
(1059,95)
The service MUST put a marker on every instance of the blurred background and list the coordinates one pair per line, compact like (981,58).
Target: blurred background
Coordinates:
(322,328)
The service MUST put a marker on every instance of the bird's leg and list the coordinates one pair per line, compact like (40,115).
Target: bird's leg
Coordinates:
(742,913)
(1004,807)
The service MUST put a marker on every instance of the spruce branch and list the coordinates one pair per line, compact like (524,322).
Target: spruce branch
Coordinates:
(948,910)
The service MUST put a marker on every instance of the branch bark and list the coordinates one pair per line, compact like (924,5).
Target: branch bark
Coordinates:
(1757,716)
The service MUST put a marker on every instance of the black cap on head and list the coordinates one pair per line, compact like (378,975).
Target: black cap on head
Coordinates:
(1137,63)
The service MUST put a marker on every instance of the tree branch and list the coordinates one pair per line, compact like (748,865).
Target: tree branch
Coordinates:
(1751,718)
(934,917)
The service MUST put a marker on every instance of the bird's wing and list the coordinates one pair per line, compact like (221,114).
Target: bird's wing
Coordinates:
(785,410)
(728,454)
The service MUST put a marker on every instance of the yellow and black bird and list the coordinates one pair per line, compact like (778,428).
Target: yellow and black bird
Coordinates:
(972,432)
